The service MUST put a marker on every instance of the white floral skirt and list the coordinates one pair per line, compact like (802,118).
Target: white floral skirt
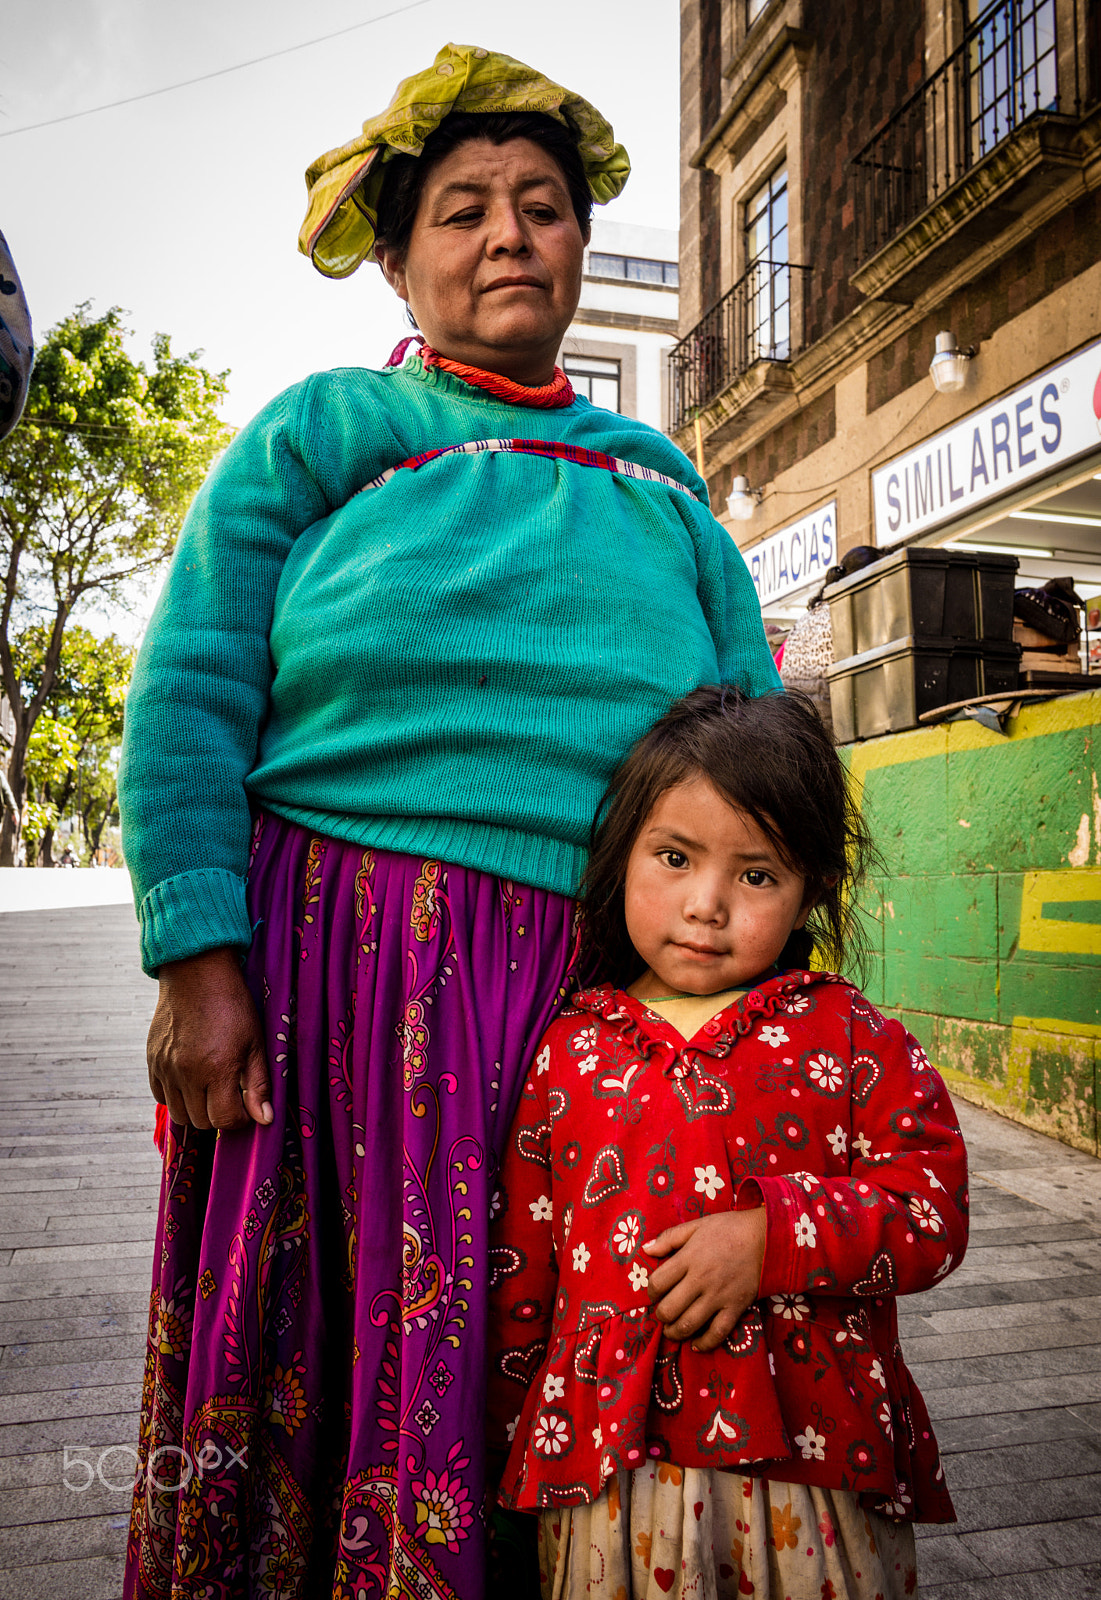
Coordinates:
(665,1531)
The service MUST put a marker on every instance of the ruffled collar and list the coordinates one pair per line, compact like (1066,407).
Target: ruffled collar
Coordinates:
(650,1035)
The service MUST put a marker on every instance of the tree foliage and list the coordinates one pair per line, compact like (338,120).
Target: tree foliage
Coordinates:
(73,753)
(94,485)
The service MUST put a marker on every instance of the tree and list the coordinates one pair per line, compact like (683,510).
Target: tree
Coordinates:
(51,751)
(73,754)
(93,488)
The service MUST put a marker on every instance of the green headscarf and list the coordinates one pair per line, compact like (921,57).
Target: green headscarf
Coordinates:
(344,185)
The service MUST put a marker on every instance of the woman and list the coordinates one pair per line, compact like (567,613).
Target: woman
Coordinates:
(417,681)
(806,655)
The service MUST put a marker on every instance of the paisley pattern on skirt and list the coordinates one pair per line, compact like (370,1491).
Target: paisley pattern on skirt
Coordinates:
(314,1400)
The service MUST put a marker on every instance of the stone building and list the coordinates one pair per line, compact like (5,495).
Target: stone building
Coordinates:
(616,349)
(856,180)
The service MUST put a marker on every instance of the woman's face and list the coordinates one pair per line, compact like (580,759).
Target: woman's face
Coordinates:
(493,269)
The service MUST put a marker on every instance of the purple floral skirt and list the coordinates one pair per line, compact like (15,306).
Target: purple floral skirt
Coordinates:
(314,1399)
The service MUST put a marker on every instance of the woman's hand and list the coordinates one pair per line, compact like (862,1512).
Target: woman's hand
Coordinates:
(206,1048)
(711,1276)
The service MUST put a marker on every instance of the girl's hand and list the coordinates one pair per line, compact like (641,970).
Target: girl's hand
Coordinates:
(711,1276)
(206,1048)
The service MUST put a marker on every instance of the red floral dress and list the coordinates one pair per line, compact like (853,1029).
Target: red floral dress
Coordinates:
(799,1096)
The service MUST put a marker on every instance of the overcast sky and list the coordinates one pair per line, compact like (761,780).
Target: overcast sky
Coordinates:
(184,209)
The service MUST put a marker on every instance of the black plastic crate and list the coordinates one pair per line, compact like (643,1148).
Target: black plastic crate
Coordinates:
(1059,682)
(887,689)
(923,594)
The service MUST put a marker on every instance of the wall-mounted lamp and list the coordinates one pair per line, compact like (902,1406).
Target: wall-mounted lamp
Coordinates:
(948,368)
(742,501)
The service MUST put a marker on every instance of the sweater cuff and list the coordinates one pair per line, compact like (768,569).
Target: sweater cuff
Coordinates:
(778,1196)
(193,912)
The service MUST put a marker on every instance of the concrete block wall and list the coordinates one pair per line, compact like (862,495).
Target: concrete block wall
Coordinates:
(987,915)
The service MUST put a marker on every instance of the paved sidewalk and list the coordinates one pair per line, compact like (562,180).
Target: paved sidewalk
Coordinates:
(78,1192)
(42,890)
(1007,1351)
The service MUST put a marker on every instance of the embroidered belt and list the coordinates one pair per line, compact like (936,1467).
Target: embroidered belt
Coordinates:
(535,447)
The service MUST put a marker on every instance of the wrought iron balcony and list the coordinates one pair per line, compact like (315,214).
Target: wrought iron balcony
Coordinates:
(1020,59)
(759,319)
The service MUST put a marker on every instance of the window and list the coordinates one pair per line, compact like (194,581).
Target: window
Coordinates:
(768,280)
(753,10)
(633,268)
(1010,68)
(594,379)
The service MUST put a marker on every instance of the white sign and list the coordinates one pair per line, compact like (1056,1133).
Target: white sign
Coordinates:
(1050,419)
(794,557)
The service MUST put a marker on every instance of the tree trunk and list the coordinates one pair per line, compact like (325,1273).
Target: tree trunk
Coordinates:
(95,836)
(61,802)
(9,830)
(46,848)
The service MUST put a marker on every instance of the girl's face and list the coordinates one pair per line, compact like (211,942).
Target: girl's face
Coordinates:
(709,901)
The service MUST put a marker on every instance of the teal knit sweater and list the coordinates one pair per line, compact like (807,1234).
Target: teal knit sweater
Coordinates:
(449,665)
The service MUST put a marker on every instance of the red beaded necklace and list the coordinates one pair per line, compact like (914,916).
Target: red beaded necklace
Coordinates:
(544,397)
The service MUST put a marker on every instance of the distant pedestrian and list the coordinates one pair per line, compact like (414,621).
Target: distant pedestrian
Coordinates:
(724,1168)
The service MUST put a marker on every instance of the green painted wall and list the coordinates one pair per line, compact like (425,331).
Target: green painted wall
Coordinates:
(988,917)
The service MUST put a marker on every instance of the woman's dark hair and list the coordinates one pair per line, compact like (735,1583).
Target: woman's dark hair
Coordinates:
(861,555)
(772,758)
(404,177)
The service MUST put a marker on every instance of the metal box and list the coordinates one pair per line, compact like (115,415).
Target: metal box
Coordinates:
(887,689)
(923,594)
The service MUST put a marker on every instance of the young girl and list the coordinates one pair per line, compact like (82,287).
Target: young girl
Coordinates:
(724,1168)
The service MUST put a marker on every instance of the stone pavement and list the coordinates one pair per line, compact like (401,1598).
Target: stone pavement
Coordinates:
(1007,1350)
(78,1192)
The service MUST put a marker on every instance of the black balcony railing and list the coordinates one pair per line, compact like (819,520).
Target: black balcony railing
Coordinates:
(759,319)
(1018,60)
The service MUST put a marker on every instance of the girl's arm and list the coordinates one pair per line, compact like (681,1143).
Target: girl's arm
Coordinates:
(710,1278)
(898,1221)
(893,1225)
(523,1269)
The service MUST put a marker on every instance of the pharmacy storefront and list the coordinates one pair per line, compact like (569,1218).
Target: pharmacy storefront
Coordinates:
(991,888)
(1021,476)
(789,567)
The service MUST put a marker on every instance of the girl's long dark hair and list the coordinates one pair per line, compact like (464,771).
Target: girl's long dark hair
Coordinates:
(772,758)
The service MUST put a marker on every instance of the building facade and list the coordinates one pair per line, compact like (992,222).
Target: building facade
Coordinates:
(616,349)
(857,180)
